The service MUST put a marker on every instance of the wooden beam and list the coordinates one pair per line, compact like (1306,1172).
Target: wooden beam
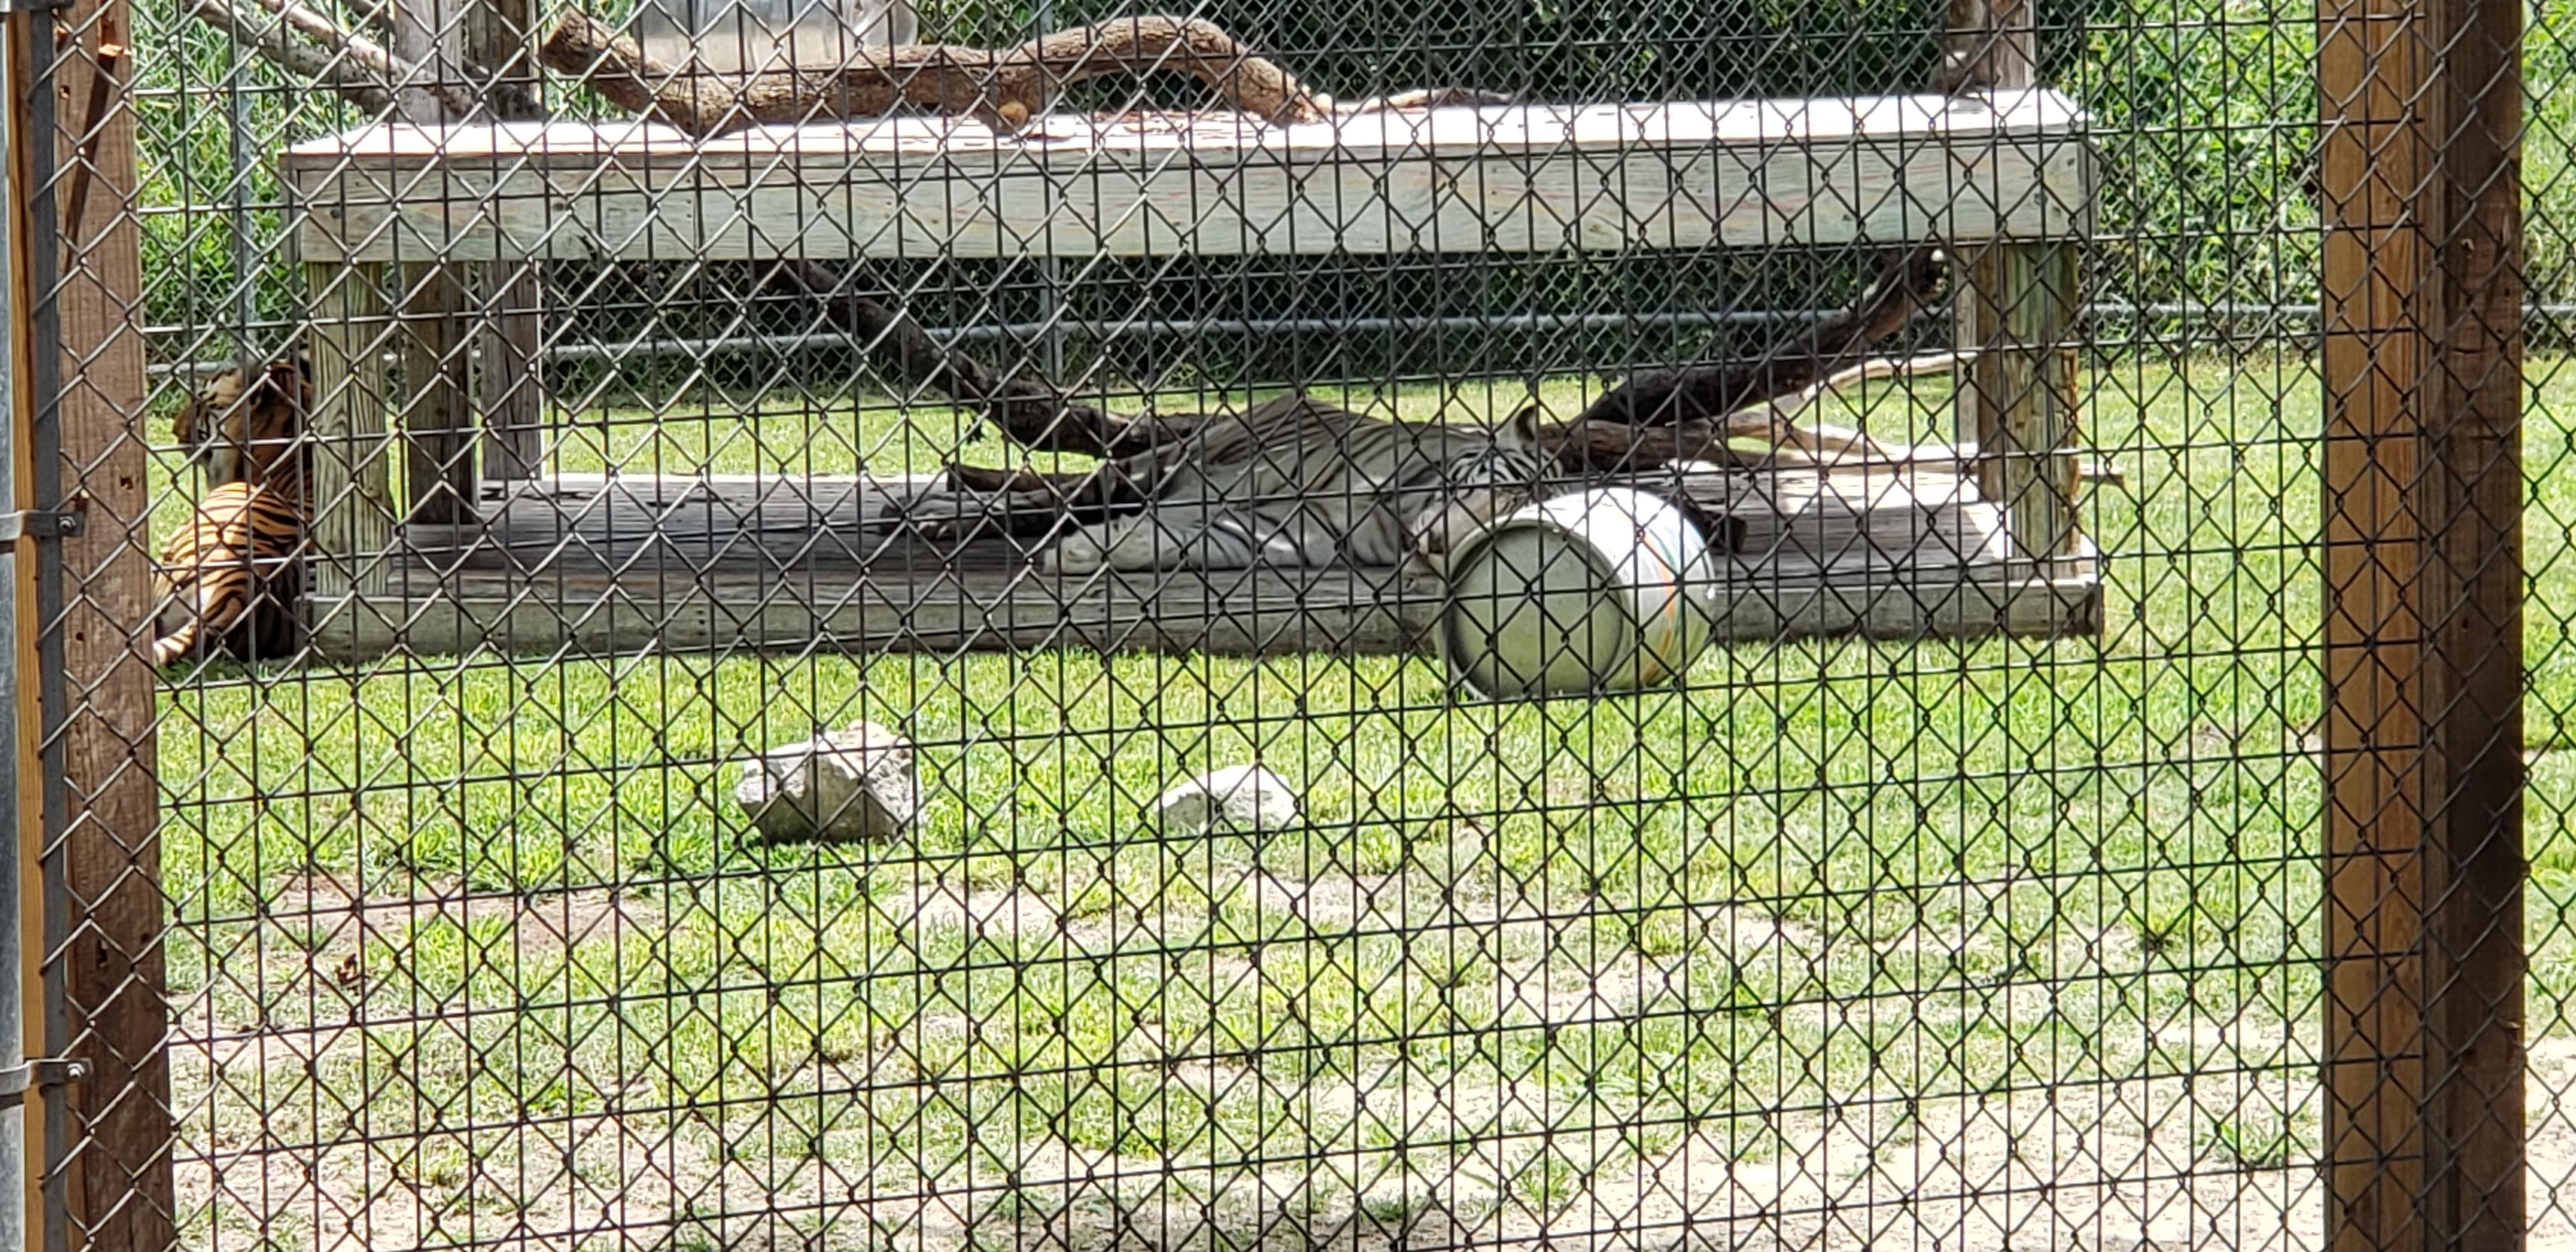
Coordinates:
(108,970)
(353,509)
(2421,189)
(1521,179)
(437,418)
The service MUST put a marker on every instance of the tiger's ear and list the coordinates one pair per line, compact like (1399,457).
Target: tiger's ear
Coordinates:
(288,374)
(1525,426)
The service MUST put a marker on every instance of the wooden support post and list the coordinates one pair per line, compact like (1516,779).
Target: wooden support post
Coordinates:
(2421,187)
(437,420)
(2017,395)
(511,393)
(105,985)
(437,373)
(353,518)
(512,389)
(2016,312)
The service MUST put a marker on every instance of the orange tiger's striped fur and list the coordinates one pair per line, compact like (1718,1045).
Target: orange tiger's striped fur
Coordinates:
(229,581)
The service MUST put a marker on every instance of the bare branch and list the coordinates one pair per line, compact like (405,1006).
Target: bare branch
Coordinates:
(1002,87)
(1594,444)
(343,75)
(366,52)
(1714,390)
(1030,411)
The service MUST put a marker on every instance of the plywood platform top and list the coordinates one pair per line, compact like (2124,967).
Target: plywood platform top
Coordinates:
(1084,140)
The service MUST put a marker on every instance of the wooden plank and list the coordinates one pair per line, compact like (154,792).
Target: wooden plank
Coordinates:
(2420,185)
(25,712)
(107,975)
(437,372)
(1077,143)
(1185,617)
(2017,396)
(1532,179)
(353,508)
(510,391)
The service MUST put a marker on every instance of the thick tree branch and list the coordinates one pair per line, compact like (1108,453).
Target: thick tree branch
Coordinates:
(1029,411)
(1583,445)
(353,66)
(274,42)
(1004,87)
(1717,390)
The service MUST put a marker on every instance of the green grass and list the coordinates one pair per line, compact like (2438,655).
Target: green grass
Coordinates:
(1571,934)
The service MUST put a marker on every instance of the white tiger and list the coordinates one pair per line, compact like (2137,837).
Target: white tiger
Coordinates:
(1296,484)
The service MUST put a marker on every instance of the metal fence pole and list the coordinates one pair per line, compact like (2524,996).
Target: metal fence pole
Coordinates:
(16,703)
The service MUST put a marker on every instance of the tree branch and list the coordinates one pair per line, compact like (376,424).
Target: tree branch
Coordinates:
(1717,390)
(1031,412)
(374,56)
(1590,445)
(1004,87)
(344,76)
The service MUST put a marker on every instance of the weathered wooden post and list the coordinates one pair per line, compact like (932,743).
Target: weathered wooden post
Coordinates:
(437,422)
(2421,189)
(2016,313)
(509,387)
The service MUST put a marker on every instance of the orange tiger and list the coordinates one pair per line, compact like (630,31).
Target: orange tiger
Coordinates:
(229,581)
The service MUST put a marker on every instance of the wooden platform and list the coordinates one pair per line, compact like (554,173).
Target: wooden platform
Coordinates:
(2011,165)
(796,564)
(2005,178)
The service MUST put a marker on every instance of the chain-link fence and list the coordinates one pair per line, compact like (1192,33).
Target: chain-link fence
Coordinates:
(1642,625)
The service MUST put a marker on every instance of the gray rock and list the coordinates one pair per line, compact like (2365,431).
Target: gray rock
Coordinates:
(850,784)
(1237,798)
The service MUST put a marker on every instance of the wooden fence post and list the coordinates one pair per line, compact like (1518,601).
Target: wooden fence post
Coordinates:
(2422,309)
(105,987)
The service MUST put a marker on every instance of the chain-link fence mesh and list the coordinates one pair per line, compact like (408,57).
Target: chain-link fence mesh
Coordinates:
(1195,875)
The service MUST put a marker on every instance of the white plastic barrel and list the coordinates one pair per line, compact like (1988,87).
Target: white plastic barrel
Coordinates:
(1604,590)
(739,36)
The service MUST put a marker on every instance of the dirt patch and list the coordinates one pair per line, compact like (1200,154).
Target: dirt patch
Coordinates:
(336,920)
(2131,1166)
(989,913)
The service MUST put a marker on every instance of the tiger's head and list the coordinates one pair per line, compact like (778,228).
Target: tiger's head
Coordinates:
(241,425)
(1509,471)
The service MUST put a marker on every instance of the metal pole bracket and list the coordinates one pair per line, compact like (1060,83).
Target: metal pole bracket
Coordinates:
(37,1073)
(34,525)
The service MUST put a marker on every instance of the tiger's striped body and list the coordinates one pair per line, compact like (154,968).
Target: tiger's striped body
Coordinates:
(1297,484)
(229,581)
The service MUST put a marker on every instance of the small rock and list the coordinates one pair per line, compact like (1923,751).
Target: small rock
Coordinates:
(849,784)
(1239,798)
